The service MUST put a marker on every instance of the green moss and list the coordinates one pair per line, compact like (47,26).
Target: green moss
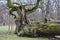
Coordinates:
(53,28)
(52,25)
(30,9)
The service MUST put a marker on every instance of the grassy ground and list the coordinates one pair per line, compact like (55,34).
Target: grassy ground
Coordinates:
(4,35)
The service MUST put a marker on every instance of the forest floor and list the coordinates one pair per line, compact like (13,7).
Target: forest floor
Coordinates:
(4,35)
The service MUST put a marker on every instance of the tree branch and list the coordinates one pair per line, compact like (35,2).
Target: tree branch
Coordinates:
(33,8)
(10,13)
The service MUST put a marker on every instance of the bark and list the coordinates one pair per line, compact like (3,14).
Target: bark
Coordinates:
(21,21)
(23,16)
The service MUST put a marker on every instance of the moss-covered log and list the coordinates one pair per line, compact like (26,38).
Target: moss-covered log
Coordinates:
(36,29)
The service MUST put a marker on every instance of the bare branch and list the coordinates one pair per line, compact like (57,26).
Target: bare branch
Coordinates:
(34,8)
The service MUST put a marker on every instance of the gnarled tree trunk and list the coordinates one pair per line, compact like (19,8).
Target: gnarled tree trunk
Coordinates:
(22,20)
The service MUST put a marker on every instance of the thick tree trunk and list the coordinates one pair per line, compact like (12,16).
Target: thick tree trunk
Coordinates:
(22,20)
(23,16)
(18,26)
